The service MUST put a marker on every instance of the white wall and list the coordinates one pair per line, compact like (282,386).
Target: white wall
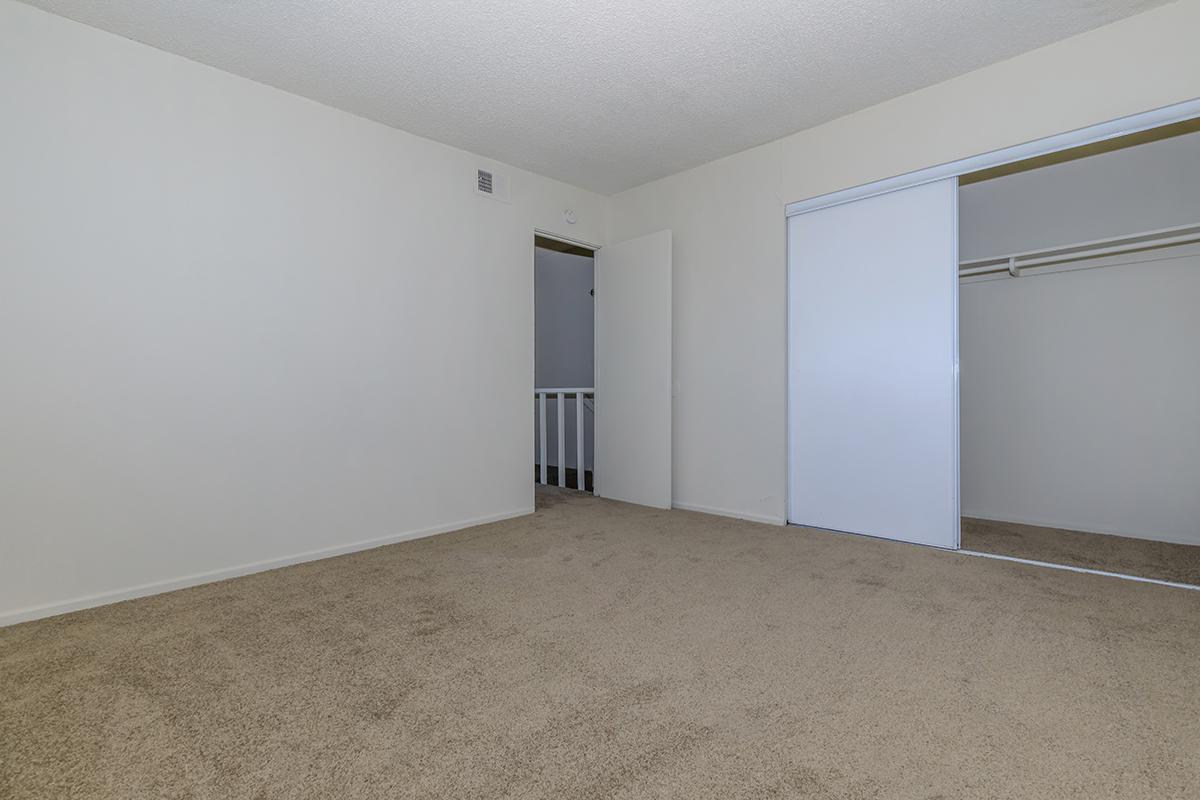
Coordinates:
(237,326)
(1080,391)
(564,342)
(1137,64)
(729,225)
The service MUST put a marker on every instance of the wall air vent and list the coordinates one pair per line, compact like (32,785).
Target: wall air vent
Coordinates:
(490,183)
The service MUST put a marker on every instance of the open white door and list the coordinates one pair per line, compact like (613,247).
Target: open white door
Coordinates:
(873,366)
(633,371)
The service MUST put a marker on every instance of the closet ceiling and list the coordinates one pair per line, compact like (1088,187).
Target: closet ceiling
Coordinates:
(603,95)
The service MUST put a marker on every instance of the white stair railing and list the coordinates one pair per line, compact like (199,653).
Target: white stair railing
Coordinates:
(582,397)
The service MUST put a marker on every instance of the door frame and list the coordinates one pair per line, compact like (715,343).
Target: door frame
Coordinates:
(539,233)
(1121,126)
(558,237)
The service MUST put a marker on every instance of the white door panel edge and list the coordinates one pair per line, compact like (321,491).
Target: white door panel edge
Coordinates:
(633,371)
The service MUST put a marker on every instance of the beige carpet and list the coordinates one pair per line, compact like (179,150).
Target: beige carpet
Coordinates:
(1146,559)
(600,650)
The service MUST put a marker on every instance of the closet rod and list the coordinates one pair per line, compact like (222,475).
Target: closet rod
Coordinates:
(1115,245)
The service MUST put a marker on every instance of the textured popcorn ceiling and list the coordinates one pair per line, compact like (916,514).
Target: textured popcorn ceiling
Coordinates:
(605,94)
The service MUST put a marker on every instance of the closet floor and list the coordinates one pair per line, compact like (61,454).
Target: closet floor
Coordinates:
(1145,559)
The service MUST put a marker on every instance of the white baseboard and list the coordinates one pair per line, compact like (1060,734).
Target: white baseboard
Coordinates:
(1066,526)
(724,512)
(158,587)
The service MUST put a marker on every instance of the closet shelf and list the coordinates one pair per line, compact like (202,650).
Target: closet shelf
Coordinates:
(1014,263)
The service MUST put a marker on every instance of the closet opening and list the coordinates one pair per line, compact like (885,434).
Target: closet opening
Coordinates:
(1079,373)
(564,364)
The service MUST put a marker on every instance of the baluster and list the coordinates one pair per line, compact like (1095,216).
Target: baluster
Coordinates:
(562,439)
(542,430)
(579,484)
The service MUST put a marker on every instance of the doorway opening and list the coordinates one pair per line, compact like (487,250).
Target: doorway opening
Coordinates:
(564,364)
(1079,280)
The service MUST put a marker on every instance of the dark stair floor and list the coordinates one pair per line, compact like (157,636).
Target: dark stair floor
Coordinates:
(572,474)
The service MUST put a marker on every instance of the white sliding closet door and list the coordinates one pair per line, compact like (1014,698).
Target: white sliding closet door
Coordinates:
(873,366)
